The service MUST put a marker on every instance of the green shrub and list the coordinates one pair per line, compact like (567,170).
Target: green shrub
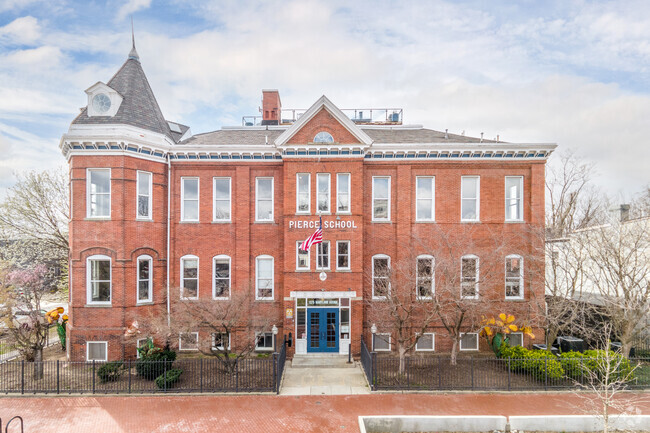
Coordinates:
(166,381)
(110,372)
(580,365)
(539,363)
(155,362)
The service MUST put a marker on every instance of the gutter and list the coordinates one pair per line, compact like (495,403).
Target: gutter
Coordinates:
(169,186)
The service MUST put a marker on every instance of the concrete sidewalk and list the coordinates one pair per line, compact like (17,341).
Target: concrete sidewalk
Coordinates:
(265,413)
(323,375)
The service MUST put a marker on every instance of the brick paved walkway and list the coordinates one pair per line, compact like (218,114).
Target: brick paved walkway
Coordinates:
(263,413)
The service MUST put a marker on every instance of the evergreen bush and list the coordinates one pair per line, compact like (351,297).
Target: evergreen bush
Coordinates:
(166,381)
(110,372)
(153,363)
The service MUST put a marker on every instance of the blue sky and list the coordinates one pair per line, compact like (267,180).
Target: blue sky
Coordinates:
(574,73)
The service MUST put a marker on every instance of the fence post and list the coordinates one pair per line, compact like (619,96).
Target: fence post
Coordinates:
(22,374)
(58,382)
(93,376)
(165,375)
(236,376)
(439,374)
(471,358)
(408,378)
(373,370)
(275,371)
(201,374)
(129,365)
(545,374)
(508,374)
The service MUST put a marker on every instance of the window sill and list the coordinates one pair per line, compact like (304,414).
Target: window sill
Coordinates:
(425,221)
(137,304)
(514,221)
(97,219)
(343,270)
(303,270)
(468,350)
(189,299)
(220,298)
(221,221)
(264,299)
(303,213)
(265,222)
(382,222)
(188,222)
(146,220)
(509,298)
(99,305)
(470,221)
(348,213)
(269,350)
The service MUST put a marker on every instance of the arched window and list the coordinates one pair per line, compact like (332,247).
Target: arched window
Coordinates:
(425,276)
(380,276)
(469,277)
(98,280)
(189,277)
(221,277)
(145,279)
(323,137)
(514,277)
(264,277)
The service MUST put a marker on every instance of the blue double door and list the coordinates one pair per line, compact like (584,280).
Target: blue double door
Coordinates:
(322,330)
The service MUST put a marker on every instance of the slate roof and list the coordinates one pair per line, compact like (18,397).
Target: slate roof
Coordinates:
(139,106)
(235,136)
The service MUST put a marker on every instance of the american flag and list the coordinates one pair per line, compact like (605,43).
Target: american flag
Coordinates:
(315,238)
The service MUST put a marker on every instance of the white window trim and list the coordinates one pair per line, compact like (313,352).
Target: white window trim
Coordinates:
(257,184)
(198,199)
(432,198)
(137,278)
(341,268)
(105,343)
(374,219)
(476,279)
(329,194)
(221,347)
(433,343)
(433,276)
(180,342)
(521,276)
(137,346)
(478,199)
(298,268)
(265,349)
(149,216)
(257,279)
(349,211)
(517,333)
(389,342)
(88,194)
(214,274)
(521,198)
(460,342)
(379,256)
(328,255)
(214,199)
(89,300)
(198,269)
(308,211)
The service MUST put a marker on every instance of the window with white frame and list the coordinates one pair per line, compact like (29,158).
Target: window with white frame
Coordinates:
(323,190)
(189,198)
(516,339)
(425,276)
(144,186)
(140,343)
(381,198)
(380,276)
(426,343)
(188,341)
(189,277)
(514,198)
(381,342)
(469,277)
(303,193)
(264,341)
(98,193)
(343,255)
(323,255)
(145,279)
(469,341)
(96,351)
(222,199)
(470,202)
(425,198)
(302,258)
(221,280)
(98,276)
(264,199)
(221,341)
(514,277)
(264,277)
(343,192)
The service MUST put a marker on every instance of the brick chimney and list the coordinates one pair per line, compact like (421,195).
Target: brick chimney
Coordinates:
(271,107)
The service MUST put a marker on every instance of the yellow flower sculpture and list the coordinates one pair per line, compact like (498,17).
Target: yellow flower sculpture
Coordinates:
(499,327)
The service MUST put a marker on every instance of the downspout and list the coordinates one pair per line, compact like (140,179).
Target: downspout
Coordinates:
(169,186)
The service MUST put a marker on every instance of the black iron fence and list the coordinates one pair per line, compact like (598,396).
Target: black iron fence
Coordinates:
(125,377)
(279,359)
(436,372)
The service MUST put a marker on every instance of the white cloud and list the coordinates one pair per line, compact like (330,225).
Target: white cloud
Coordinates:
(131,6)
(23,31)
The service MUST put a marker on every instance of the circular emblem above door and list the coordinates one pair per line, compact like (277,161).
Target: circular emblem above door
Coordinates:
(322,276)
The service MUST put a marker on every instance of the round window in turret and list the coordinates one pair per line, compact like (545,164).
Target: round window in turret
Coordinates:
(101,103)
(323,137)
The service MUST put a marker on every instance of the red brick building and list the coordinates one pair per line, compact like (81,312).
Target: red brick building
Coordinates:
(156,209)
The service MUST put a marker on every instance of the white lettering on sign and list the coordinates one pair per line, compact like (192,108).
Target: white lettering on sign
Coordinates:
(337,224)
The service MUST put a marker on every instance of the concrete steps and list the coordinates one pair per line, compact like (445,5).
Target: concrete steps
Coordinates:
(321,361)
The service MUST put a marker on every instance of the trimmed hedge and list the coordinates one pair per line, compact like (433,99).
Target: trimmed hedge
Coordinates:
(166,381)
(110,372)
(535,362)
(155,363)
(580,365)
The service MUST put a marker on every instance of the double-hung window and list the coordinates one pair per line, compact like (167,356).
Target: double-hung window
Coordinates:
(98,276)
(380,276)
(221,280)
(516,339)
(96,350)
(514,277)
(470,202)
(514,198)
(426,343)
(425,198)
(343,255)
(381,198)
(189,277)
(188,341)
(425,276)
(381,342)
(469,277)
(343,193)
(145,279)
(264,342)
(222,198)
(144,195)
(323,196)
(468,341)
(264,199)
(221,341)
(303,193)
(189,198)
(302,258)
(323,255)
(264,277)
(98,193)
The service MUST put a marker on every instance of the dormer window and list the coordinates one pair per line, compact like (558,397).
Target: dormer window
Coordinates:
(103,100)
(101,103)
(323,137)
